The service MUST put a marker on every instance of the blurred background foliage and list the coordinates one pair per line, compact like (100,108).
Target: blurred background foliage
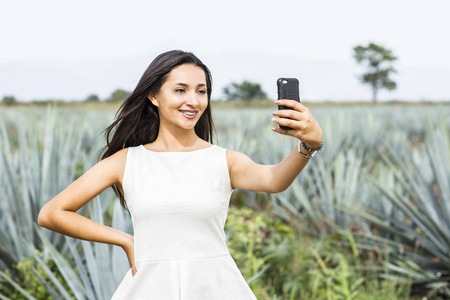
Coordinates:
(368,218)
(244,91)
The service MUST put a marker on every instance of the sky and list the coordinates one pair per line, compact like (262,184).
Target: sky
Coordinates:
(70,49)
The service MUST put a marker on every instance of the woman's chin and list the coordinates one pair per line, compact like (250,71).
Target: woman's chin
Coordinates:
(187,126)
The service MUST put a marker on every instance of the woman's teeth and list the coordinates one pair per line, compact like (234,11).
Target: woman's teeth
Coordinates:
(189,113)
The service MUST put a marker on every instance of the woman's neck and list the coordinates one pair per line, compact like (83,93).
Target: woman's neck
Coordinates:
(176,139)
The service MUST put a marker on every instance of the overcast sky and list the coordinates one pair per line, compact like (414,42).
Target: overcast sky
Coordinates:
(70,49)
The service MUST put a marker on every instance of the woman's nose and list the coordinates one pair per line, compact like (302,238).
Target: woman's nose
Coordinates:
(192,99)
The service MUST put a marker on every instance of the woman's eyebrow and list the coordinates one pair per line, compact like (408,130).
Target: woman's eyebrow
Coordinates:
(185,85)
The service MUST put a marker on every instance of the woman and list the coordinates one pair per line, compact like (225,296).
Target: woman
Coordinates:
(176,185)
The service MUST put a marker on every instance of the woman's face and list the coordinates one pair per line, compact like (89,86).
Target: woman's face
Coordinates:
(183,98)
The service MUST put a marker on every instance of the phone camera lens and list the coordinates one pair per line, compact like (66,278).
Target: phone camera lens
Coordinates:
(284,81)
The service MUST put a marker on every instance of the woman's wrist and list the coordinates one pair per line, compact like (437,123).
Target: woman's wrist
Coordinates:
(303,152)
(312,147)
(307,152)
(125,240)
(302,148)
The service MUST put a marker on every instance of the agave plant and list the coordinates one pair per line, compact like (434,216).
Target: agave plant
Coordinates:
(372,176)
(37,161)
(418,233)
(99,267)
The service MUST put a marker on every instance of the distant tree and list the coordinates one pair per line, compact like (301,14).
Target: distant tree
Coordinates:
(9,100)
(118,96)
(245,90)
(378,61)
(92,98)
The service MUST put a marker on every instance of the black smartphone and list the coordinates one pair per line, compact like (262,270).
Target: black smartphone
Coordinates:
(287,89)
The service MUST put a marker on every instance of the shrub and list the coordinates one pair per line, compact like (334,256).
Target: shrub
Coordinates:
(26,274)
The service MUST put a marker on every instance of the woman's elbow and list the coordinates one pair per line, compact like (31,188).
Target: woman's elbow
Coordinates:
(44,217)
(277,189)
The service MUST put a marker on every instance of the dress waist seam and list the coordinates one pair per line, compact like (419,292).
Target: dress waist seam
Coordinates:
(178,259)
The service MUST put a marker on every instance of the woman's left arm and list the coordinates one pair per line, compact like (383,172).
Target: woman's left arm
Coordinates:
(246,174)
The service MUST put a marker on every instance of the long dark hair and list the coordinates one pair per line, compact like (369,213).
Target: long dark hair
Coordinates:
(137,120)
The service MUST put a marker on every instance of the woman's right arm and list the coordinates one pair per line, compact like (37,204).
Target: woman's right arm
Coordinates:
(59,214)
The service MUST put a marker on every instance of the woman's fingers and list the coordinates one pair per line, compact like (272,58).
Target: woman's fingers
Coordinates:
(131,259)
(292,104)
(294,124)
(300,119)
(289,113)
(129,250)
(288,117)
(284,131)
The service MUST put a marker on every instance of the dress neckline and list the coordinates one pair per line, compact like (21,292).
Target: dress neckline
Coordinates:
(174,152)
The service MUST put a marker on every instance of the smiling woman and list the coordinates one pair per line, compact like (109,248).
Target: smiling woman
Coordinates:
(176,185)
(181,101)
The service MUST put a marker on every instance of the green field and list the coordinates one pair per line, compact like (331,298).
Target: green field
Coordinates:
(368,218)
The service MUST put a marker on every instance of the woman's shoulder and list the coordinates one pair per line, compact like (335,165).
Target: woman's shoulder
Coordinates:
(235,158)
(118,159)
(231,154)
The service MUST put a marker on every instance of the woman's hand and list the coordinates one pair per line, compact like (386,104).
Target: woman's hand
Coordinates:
(304,126)
(129,250)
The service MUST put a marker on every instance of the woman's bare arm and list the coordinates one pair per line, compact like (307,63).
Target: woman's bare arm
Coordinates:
(59,214)
(246,174)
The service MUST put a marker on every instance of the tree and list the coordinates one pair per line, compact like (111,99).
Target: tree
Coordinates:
(92,98)
(118,96)
(9,100)
(244,91)
(378,61)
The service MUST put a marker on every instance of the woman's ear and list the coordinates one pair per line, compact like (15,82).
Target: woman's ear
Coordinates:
(152,98)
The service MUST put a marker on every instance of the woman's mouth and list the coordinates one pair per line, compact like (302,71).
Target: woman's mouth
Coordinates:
(190,114)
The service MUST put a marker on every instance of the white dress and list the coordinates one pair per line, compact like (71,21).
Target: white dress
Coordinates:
(178,203)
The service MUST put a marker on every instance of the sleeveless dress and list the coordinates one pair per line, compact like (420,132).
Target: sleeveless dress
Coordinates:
(178,202)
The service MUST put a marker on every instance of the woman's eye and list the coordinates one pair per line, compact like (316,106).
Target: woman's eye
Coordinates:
(179,90)
(202,91)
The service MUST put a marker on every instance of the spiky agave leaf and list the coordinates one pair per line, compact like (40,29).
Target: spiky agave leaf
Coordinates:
(423,234)
(38,158)
(91,274)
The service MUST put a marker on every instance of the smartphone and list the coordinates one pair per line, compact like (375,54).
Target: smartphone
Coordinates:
(287,89)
